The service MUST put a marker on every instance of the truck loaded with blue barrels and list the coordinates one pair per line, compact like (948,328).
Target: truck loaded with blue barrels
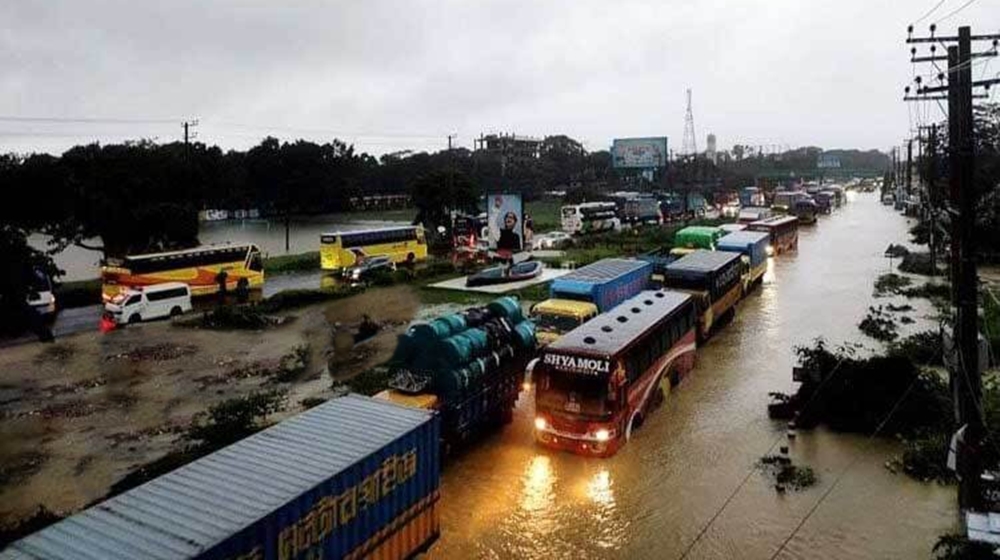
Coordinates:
(354,477)
(468,366)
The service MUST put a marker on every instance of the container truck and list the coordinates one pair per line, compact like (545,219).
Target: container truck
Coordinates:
(752,245)
(354,477)
(714,278)
(600,286)
(468,366)
(691,238)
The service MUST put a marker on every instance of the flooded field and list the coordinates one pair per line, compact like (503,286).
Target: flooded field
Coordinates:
(509,498)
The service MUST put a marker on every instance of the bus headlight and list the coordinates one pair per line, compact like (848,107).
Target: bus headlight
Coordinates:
(540,424)
(770,251)
(602,435)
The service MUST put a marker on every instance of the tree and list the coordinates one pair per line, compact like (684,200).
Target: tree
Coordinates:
(438,193)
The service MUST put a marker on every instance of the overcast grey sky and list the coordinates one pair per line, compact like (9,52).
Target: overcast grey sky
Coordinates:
(387,75)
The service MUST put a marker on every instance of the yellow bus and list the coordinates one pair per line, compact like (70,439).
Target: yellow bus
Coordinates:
(199,268)
(340,250)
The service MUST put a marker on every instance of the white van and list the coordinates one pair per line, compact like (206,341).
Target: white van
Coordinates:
(150,302)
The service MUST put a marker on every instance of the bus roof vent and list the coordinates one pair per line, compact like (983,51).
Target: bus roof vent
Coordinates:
(648,302)
(659,294)
(606,328)
(622,318)
(636,310)
(589,339)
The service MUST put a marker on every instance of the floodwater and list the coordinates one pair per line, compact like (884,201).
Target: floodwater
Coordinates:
(269,235)
(509,498)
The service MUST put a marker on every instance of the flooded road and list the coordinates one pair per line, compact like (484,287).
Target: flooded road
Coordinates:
(509,498)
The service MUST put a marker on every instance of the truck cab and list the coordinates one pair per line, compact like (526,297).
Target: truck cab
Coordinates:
(556,317)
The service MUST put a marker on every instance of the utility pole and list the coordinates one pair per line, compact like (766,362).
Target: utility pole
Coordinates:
(909,175)
(188,135)
(966,376)
(934,201)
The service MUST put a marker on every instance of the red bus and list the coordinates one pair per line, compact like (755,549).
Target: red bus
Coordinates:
(598,382)
(784,232)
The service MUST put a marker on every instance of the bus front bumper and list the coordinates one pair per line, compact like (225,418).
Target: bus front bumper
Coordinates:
(580,444)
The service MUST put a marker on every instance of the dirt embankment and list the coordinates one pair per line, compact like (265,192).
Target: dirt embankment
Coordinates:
(77,415)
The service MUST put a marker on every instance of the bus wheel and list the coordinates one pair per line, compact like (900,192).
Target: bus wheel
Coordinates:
(134,319)
(675,378)
(176,311)
(657,397)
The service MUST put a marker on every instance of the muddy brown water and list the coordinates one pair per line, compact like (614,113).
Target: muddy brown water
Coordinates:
(508,498)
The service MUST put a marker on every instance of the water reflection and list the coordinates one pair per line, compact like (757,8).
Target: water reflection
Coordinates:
(599,489)
(538,482)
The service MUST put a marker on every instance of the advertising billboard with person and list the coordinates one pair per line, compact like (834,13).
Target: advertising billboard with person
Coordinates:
(506,223)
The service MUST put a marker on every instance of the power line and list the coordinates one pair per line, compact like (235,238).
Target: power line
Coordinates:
(840,477)
(929,12)
(753,468)
(955,11)
(85,120)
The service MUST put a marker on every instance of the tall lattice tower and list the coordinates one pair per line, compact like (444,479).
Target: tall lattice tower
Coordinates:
(689,146)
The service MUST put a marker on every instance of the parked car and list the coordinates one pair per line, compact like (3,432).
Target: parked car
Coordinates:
(551,240)
(156,301)
(369,269)
(41,297)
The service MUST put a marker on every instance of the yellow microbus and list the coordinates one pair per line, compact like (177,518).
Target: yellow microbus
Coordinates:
(340,250)
(199,268)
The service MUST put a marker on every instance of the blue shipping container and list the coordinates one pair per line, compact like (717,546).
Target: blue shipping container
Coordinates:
(335,480)
(605,283)
(753,244)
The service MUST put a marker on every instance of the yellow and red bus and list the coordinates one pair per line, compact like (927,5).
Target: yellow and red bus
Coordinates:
(598,382)
(199,268)
(714,279)
(784,232)
(340,250)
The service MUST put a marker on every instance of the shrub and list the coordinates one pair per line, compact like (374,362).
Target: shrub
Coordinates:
(78,294)
(292,263)
(369,382)
(879,325)
(234,419)
(890,283)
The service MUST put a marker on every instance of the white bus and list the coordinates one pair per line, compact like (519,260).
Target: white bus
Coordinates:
(590,217)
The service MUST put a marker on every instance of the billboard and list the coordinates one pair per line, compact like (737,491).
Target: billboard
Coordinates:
(505,214)
(828,161)
(639,153)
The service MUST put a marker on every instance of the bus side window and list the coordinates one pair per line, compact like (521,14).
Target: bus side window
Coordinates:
(256,263)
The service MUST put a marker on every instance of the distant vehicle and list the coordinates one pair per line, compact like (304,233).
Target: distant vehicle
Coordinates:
(888,199)
(692,238)
(824,201)
(199,268)
(752,214)
(714,279)
(805,210)
(40,296)
(600,286)
(640,210)
(467,231)
(590,217)
(784,201)
(753,246)
(784,232)
(730,210)
(752,196)
(369,269)
(551,240)
(596,385)
(730,228)
(341,250)
(157,301)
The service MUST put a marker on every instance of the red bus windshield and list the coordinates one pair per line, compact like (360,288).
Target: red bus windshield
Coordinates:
(574,394)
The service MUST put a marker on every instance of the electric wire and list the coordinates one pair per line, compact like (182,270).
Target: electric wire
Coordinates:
(953,12)
(753,468)
(929,12)
(840,477)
